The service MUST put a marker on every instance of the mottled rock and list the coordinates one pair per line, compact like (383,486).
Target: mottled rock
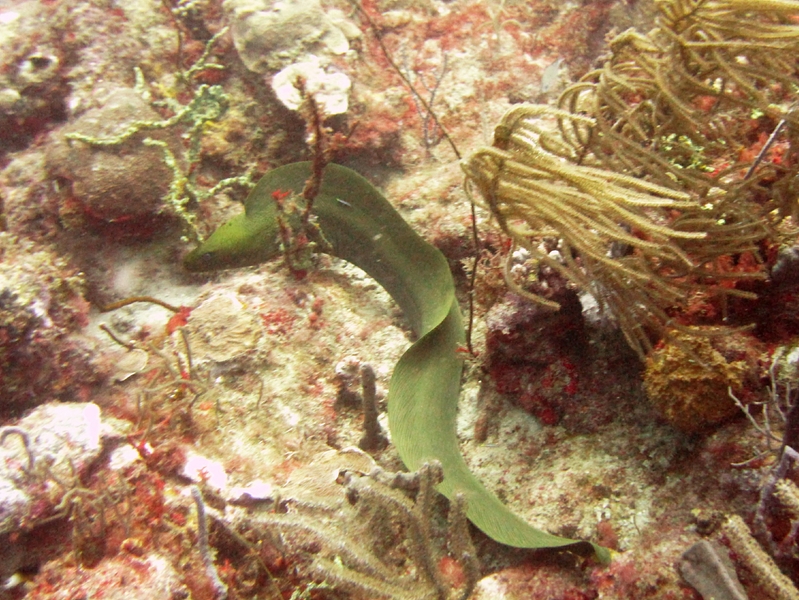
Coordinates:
(688,377)
(41,304)
(119,578)
(221,329)
(54,441)
(270,36)
(527,345)
(708,568)
(318,484)
(33,86)
(120,181)
(329,89)
(129,363)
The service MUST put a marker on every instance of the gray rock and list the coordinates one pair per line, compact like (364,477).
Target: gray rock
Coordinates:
(270,37)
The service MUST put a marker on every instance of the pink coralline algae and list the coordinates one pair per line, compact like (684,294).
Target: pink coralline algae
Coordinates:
(531,353)
(118,578)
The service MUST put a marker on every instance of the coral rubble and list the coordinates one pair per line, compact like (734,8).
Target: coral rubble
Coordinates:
(204,447)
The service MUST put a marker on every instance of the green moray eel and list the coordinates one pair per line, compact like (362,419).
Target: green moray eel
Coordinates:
(364,229)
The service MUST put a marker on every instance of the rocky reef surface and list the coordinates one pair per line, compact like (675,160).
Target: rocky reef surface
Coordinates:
(174,435)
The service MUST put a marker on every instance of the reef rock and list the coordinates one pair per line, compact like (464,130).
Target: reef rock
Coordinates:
(688,377)
(41,305)
(268,38)
(221,329)
(114,182)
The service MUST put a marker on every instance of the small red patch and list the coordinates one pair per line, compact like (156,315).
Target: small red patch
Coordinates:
(452,571)
(178,320)
(705,103)
(547,415)
(278,321)
(211,76)
(606,535)
(279,195)
(507,378)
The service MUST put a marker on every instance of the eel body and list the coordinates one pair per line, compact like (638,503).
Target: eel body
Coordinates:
(364,229)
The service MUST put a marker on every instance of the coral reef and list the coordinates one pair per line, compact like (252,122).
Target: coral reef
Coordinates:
(346,532)
(639,183)
(52,442)
(270,38)
(707,567)
(42,308)
(33,84)
(221,460)
(138,577)
(221,330)
(44,458)
(757,562)
(528,348)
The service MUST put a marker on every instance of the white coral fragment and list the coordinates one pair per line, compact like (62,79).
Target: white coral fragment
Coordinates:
(330,90)
(270,35)
(201,469)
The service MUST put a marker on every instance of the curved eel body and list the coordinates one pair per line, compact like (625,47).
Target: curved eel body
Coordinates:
(364,229)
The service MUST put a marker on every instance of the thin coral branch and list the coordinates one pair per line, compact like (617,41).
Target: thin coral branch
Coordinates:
(220,589)
(427,105)
(134,299)
(352,552)
(373,437)
(432,115)
(26,443)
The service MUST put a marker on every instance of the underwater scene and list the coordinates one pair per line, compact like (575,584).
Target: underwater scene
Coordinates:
(399,299)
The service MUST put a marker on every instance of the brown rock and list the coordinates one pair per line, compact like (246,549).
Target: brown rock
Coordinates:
(119,181)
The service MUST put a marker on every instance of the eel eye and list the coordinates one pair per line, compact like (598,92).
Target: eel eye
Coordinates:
(200,262)
(205,259)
